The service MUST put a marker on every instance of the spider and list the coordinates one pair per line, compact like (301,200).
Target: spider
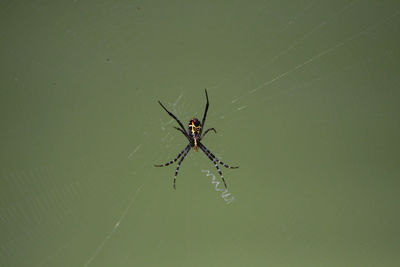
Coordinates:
(194,134)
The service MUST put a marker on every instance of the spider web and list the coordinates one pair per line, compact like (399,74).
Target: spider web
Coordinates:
(104,208)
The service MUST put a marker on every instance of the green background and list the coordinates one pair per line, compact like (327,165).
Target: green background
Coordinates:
(304,96)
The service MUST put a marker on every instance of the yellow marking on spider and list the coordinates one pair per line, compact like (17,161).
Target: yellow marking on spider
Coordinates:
(195,130)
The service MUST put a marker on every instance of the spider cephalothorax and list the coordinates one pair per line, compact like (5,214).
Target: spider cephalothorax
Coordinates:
(194,134)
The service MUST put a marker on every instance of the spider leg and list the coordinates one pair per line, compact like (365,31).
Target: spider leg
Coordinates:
(179,164)
(210,129)
(173,116)
(175,159)
(214,160)
(185,134)
(205,113)
(208,153)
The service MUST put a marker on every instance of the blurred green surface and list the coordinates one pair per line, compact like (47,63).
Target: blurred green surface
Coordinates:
(304,96)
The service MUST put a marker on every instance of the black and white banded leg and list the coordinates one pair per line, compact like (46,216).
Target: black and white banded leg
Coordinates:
(179,164)
(214,160)
(175,159)
(208,152)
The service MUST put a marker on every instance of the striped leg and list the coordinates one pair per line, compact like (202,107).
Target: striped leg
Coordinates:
(208,153)
(179,164)
(214,160)
(175,159)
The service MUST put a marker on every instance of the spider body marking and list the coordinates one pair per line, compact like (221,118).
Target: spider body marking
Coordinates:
(194,134)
